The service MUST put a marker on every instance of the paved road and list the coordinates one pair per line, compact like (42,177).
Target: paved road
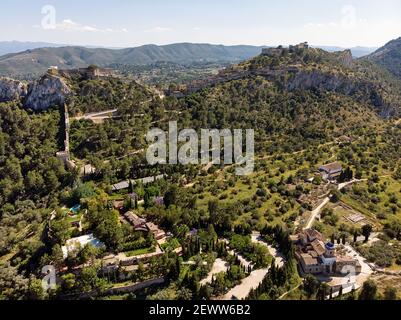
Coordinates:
(241,291)
(256,277)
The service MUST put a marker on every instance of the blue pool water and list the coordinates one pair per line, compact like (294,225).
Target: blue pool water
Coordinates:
(75,208)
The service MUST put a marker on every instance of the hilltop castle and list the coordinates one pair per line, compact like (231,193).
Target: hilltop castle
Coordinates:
(277,52)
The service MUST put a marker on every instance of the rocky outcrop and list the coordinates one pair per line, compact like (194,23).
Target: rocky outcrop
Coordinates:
(11,90)
(321,81)
(346,58)
(51,90)
(326,82)
(47,92)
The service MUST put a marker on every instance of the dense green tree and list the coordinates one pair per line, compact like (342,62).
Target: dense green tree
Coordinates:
(369,291)
(390,294)
(367,231)
(310,285)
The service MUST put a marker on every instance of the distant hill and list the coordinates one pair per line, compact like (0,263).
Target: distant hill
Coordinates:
(37,61)
(7,47)
(389,57)
(35,58)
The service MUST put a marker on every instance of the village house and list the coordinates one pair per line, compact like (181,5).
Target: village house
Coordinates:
(154,229)
(87,170)
(138,223)
(331,171)
(141,224)
(315,257)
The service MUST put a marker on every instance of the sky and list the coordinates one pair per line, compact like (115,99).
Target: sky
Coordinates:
(130,23)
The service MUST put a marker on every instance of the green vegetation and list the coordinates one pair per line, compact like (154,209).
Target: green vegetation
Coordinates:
(382,253)
(106,94)
(389,57)
(255,253)
(208,212)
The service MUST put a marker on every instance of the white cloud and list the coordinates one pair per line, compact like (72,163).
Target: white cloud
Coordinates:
(70,25)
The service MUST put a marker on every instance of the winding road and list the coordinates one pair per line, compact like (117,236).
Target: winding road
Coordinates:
(256,277)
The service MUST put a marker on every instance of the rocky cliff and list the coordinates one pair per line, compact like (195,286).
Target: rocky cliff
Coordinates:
(315,70)
(11,90)
(49,91)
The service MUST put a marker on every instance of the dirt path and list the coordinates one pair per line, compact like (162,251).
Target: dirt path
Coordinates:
(326,200)
(96,115)
(288,292)
(296,152)
(316,212)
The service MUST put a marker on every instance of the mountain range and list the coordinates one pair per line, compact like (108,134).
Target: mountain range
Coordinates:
(37,57)
(7,47)
(389,57)
(37,61)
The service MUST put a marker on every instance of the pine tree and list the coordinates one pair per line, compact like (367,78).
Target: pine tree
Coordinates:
(340,293)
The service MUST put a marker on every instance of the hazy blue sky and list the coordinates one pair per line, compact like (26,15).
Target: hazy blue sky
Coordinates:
(121,23)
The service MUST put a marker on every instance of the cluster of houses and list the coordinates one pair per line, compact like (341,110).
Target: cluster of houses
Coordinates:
(138,223)
(315,256)
(113,262)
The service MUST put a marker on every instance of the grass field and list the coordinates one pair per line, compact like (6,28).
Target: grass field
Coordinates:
(140,252)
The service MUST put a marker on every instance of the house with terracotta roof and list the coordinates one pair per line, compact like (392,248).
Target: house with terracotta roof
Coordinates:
(154,229)
(138,223)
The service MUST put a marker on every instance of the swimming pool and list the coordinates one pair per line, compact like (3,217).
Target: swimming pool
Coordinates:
(75,208)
